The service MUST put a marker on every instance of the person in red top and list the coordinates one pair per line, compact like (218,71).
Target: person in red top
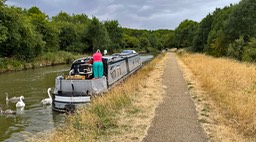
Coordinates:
(97,64)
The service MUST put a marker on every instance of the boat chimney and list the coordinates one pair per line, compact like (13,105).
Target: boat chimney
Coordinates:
(105,52)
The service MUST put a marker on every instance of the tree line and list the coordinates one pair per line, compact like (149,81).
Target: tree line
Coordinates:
(28,33)
(228,31)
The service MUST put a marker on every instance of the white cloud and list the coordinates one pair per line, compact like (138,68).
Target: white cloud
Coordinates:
(146,14)
(145,8)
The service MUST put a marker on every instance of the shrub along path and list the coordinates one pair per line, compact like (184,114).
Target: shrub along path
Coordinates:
(176,117)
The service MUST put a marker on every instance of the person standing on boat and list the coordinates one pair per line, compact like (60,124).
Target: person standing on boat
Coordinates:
(97,64)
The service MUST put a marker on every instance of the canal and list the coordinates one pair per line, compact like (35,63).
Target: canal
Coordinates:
(35,118)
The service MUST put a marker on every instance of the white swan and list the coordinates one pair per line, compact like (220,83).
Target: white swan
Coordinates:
(47,101)
(13,99)
(20,104)
(1,111)
(8,111)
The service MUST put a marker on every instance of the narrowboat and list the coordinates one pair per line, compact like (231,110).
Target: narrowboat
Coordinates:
(79,85)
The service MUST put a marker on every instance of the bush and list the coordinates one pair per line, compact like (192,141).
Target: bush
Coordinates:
(249,53)
(235,50)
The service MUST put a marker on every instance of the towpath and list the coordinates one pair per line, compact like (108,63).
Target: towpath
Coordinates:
(176,117)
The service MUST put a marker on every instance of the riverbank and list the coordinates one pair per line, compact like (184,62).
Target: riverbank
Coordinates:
(47,59)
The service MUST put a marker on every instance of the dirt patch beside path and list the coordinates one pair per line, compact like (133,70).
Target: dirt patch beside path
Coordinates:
(134,122)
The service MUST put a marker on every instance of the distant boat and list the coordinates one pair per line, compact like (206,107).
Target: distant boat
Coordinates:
(78,87)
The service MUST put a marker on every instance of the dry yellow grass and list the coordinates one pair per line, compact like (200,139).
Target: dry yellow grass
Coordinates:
(225,92)
(122,114)
(134,121)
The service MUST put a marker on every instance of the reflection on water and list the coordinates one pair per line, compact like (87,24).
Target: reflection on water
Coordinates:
(34,118)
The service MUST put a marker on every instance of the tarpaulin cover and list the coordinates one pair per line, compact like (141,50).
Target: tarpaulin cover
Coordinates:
(94,86)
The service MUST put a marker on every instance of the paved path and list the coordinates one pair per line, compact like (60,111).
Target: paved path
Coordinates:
(176,117)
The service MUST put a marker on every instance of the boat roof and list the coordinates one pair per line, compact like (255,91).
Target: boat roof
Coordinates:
(109,58)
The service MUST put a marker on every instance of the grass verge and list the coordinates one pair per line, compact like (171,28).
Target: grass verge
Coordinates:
(226,90)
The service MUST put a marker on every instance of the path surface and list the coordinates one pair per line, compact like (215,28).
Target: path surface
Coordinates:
(176,117)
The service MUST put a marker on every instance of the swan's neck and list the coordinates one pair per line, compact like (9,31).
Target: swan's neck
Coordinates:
(49,94)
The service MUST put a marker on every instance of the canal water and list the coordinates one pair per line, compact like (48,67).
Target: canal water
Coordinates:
(32,84)
(35,118)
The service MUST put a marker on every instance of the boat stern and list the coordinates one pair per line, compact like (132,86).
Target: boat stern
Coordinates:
(69,93)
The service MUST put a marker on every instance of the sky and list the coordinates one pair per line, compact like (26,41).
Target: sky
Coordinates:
(136,14)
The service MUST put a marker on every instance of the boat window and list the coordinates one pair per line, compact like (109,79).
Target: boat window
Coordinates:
(126,51)
(129,51)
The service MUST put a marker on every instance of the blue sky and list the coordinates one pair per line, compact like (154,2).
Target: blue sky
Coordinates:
(139,14)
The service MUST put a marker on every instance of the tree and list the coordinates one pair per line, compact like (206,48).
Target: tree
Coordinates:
(154,41)
(218,41)
(3,29)
(70,38)
(20,39)
(249,53)
(165,37)
(115,33)
(184,33)
(144,42)
(3,33)
(61,17)
(2,3)
(242,21)
(67,35)
(201,34)
(169,42)
(96,36)
(236,49)
(131,42)
(72,31)
(80,19)
(47,30)
(17,32)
